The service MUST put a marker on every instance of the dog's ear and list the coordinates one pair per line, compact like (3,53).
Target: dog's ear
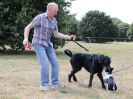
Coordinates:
(107,59)
(100,58)
(112,69)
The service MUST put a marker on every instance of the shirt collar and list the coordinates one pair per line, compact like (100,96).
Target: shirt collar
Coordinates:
(45,14)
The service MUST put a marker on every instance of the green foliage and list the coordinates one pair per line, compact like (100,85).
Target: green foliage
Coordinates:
(73,25)
(16,14)
(123,27)
(97,24)
(116,21)
(130,31)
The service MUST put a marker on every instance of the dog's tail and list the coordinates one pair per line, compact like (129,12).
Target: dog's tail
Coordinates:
(68,52)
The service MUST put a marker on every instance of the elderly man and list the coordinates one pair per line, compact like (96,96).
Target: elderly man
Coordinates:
(44,25)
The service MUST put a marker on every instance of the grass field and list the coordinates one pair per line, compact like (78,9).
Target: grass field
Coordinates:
(19,75)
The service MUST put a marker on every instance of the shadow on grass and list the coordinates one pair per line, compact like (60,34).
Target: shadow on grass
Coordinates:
(14,52)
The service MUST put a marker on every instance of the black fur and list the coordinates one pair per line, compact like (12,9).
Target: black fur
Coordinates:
(93,63)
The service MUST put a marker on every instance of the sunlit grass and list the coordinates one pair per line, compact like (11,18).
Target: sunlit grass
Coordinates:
(19,74)
(122,43)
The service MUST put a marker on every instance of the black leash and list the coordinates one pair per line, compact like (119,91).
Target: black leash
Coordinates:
(79,39)
(81,46)
(122,69)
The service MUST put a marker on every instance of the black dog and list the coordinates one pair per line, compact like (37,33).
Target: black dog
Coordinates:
(109,80)
(93,63)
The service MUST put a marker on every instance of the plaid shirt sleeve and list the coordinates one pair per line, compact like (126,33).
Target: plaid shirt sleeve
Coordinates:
(56,26)
(36,21)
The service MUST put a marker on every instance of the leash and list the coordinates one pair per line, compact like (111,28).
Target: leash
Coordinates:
(79,39)
(122,69)
(81,46)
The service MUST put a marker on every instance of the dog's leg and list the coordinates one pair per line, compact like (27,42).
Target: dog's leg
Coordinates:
(74,78)
(91,73)
(107,87)
(72,74)
(75,71)
(115,87)
(90,81)
(101,79)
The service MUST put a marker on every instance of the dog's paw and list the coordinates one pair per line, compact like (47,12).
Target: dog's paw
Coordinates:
(89,86)
(103,87)
(75,79)
(69,81)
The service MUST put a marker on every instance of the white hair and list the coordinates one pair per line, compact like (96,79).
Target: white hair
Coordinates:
(51,4)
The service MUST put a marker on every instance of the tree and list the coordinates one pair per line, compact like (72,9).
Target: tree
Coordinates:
(130,31)
(97,24)
(16,14)
(116,21)
(73,25)
(8,33)
(123,27)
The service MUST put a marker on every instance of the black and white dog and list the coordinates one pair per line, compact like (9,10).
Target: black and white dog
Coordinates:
(109,80)
(93,63)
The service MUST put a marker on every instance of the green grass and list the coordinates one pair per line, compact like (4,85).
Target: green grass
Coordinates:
(19,74)
(122,43)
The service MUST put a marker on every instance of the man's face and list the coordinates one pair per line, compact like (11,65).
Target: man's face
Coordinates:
(52,11)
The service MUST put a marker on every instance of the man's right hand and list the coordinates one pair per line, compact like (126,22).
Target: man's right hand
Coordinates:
(25,43)
(28,46)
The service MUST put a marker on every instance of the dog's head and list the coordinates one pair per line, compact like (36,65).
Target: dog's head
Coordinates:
(109,80)
(108,70)
(104,61)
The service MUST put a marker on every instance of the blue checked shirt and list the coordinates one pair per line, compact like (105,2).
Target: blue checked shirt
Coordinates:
(43,28)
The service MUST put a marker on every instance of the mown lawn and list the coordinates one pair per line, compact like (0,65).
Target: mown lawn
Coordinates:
(19,74)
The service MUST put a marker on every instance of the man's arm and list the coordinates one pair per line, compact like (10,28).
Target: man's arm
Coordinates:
(26,34)
(63,36)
